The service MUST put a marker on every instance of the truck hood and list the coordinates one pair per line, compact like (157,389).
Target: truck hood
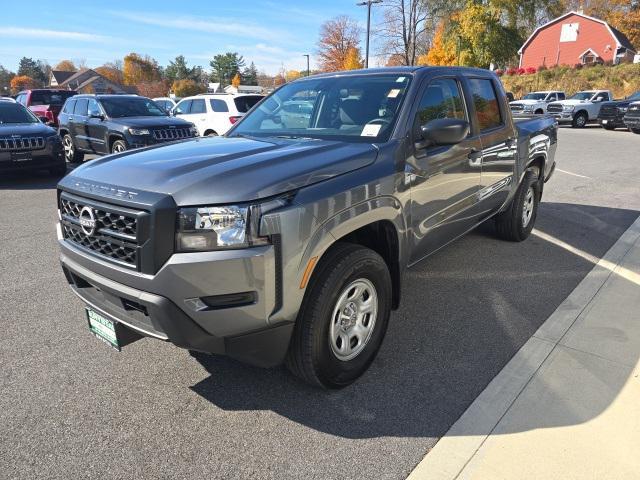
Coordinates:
(225,170)
(618,103)
(573,102)
(161,122)
(527,102)
(26,129)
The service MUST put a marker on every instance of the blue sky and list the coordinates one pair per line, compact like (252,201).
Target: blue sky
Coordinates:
(269,33)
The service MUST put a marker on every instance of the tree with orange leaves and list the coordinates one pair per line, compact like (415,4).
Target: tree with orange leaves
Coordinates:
(352,60)
(442,51)
(22,82)
(337,37)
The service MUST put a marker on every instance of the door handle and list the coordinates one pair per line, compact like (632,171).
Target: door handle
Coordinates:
(475,157)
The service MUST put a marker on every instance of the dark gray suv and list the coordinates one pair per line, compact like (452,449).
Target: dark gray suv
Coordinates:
(101,124)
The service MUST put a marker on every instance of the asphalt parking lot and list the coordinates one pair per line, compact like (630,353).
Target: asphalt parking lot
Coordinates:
(73,408)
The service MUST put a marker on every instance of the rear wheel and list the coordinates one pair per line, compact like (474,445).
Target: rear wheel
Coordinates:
(635,130)
(71,154)
(608,127)
(118,146)
(210,133)
(580,120)
(515,223)
(343,318)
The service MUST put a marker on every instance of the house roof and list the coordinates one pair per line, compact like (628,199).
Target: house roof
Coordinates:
(61,75)
(620,38)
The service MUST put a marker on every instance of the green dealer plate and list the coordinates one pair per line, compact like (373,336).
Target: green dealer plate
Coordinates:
(103,328)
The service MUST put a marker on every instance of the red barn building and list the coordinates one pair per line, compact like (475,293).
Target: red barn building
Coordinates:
(575,38)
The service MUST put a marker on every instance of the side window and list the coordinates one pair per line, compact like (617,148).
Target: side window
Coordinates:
(219,105)
(552,98)
(22,98)
(183,107)
(198,106)
(81,107)
(486,103)
(561,96)
(69,106)
(94,108)
(441,99)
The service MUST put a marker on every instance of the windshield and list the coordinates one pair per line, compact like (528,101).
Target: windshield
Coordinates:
(351,108)
(15,113)
(582,96)
(635,96)
(244,103)
(534,96)
(56,98)
(119,107)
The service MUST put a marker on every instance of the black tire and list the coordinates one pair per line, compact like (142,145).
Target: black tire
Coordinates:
(580,120)
(539,112)
(510,224)
(635,130)
(311,356)
(210,133)
(608,127)
(71,153)
(119,146)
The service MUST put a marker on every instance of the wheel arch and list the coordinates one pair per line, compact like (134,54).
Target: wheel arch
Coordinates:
(113,137)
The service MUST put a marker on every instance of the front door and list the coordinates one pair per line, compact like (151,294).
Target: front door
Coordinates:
(445,179)
(78,124)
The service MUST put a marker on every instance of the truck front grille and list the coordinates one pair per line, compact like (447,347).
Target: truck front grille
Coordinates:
(608,111)
(554,108)
(106,230)
(166,134)
(24,143)
(517,107)
(633,111)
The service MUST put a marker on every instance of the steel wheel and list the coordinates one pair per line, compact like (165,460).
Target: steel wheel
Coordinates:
(118,147)
(353,319)
(69,150)
(528,207)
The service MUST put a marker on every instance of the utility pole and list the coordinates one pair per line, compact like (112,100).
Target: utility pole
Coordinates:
(307,55)
(368,3)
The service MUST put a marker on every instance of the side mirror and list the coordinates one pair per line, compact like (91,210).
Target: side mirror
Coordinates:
(443,131)
(96,115)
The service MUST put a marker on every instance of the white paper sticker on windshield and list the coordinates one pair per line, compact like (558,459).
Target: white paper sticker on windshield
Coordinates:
(394,93)
(400,79)
(370,130)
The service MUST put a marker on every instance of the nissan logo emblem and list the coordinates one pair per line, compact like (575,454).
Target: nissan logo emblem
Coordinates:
(87,221)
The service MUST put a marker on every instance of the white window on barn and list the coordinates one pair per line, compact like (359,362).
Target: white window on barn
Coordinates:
(569,32)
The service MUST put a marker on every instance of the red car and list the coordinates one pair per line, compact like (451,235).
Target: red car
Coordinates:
(45,103)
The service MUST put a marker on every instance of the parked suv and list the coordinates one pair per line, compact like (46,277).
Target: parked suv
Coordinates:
(535,102)
(632,118)
(26,143)
(46,103)
(581,108)
(612,113)
(214,114)
(289,237)
(101,124)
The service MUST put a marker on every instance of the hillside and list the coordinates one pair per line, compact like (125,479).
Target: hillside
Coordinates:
(622,80)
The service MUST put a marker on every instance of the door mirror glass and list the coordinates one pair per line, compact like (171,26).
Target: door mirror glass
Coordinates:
(444,131)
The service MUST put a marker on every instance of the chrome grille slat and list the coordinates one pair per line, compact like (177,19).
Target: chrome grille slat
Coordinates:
(23,143)
(172,133)
(554,109)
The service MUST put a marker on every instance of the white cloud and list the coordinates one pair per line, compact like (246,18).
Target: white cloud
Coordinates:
(20,32)
(219,25)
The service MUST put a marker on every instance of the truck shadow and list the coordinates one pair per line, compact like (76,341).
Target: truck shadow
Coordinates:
(465,312)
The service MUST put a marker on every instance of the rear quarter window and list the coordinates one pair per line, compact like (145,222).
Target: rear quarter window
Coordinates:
(218,105)
(486,103)
(245,103)
(69,106)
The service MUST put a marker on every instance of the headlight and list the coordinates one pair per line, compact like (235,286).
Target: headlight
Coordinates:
(528,108)
(222,227)
(568,108)
(194,131)
(139,131)
(623,109)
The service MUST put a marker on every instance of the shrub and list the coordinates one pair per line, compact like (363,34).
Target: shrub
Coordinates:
(578,66)
(530,70)
(521,71)
(511,71)
(542,68)
(499,72)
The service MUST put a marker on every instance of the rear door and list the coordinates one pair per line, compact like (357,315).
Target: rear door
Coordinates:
(444,178)
(219,118)
(198,114)
(96,128)
(78,124)
(498,138)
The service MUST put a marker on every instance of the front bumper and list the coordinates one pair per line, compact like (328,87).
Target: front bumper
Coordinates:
(49,157)
(612,121)
(563,117)
(175,303)
(632,122)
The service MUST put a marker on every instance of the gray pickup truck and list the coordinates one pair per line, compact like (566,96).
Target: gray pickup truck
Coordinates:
(287,240)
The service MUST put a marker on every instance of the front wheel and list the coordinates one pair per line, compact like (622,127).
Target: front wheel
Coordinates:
(635,130)
(118,146)
(343,319)
(515,223)
(608,127)
(580,120)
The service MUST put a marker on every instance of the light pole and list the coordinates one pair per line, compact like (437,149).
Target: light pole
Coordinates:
(307,55)
(368,3)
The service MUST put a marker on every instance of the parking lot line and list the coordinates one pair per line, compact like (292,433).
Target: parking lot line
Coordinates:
(571,173)
(455,450)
